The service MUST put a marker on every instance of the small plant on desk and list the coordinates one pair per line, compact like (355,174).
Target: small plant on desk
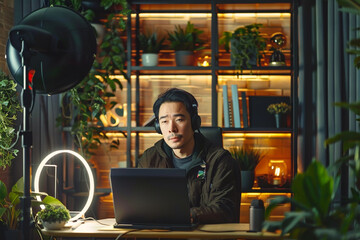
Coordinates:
(53,217)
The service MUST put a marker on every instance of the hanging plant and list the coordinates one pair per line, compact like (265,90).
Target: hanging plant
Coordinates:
(9,108)
(83,105)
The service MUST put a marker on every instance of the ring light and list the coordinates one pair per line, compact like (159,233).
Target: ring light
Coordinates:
(88,169)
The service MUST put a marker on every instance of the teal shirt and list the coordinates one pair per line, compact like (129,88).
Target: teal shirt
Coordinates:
(182,163)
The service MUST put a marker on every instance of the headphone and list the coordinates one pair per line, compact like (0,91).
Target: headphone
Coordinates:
(178,95)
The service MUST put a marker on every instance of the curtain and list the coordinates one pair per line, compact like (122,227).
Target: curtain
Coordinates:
(326,75)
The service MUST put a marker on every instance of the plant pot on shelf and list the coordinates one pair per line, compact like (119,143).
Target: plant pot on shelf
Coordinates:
(100,32)
(280,120)
(184,58)
(150,59)
(247,180)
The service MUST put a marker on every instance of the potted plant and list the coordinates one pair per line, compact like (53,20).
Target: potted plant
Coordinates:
(150,45)
(185,41)
(247,159)
(10,209)
(279,110)
(53,217)
(245,44)
(314,215)
(9,108)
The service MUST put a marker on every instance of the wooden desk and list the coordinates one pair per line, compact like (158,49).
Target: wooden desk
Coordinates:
(93,229)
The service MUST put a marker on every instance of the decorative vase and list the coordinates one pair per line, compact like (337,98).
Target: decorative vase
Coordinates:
(247,180)
(277,119)
(184,58)
(280,120)
(150,59)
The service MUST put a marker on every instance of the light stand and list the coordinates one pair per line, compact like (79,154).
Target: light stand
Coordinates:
(26,134)
(26,36)
(59,45)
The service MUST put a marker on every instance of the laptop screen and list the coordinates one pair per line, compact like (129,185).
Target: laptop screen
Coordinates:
(150,197)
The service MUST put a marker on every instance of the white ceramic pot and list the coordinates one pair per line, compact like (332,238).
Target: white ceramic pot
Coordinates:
(53,225)
(100,32)
(150,59)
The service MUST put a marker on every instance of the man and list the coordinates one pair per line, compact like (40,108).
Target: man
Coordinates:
(213,175)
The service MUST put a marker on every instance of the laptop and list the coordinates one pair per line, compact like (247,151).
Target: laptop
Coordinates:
(151,198)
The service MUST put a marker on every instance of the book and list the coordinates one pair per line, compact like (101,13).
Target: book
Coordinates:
(231,120)
(220,121)
(226,106)
(235,105)
(244,109)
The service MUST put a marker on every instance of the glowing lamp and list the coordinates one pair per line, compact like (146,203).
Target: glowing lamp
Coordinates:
(204,61)
(89,172)
(277,172)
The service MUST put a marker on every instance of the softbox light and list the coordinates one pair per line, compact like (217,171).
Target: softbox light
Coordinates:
(61,47)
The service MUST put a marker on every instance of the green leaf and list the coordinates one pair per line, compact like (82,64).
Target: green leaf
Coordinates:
(275,202)
(3,191)
(314,188)
(52,201)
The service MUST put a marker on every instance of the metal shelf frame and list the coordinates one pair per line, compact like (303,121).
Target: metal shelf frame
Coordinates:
(214,70)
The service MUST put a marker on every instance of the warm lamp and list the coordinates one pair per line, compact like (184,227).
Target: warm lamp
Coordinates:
(88,170)
(277,172)
(204,61)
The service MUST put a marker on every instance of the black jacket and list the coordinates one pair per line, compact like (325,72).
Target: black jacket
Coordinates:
(213,179)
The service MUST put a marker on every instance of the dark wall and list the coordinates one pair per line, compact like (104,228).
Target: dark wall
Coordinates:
(24,7)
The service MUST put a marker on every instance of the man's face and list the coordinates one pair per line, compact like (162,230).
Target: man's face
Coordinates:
(175,125)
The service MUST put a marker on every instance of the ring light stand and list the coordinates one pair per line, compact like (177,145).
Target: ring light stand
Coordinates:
(88,170)
(59,45)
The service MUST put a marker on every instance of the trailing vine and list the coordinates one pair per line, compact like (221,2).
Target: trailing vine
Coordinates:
(83,105)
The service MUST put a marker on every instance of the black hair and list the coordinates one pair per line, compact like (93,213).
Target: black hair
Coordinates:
(176,95)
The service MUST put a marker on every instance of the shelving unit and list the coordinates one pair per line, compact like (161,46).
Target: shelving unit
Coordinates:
(214,17)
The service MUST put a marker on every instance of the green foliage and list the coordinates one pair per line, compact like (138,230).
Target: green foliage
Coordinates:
(9,108)
(83,105)
(10,204)
(53,214)
(186,39)
(278,108)
(352,7)
(74,4)
(314,191)
(247,44)
(150,43)
(313,217)
(350,141)
(247,158)
(10,207)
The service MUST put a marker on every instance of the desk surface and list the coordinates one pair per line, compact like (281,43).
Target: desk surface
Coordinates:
(94,229)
